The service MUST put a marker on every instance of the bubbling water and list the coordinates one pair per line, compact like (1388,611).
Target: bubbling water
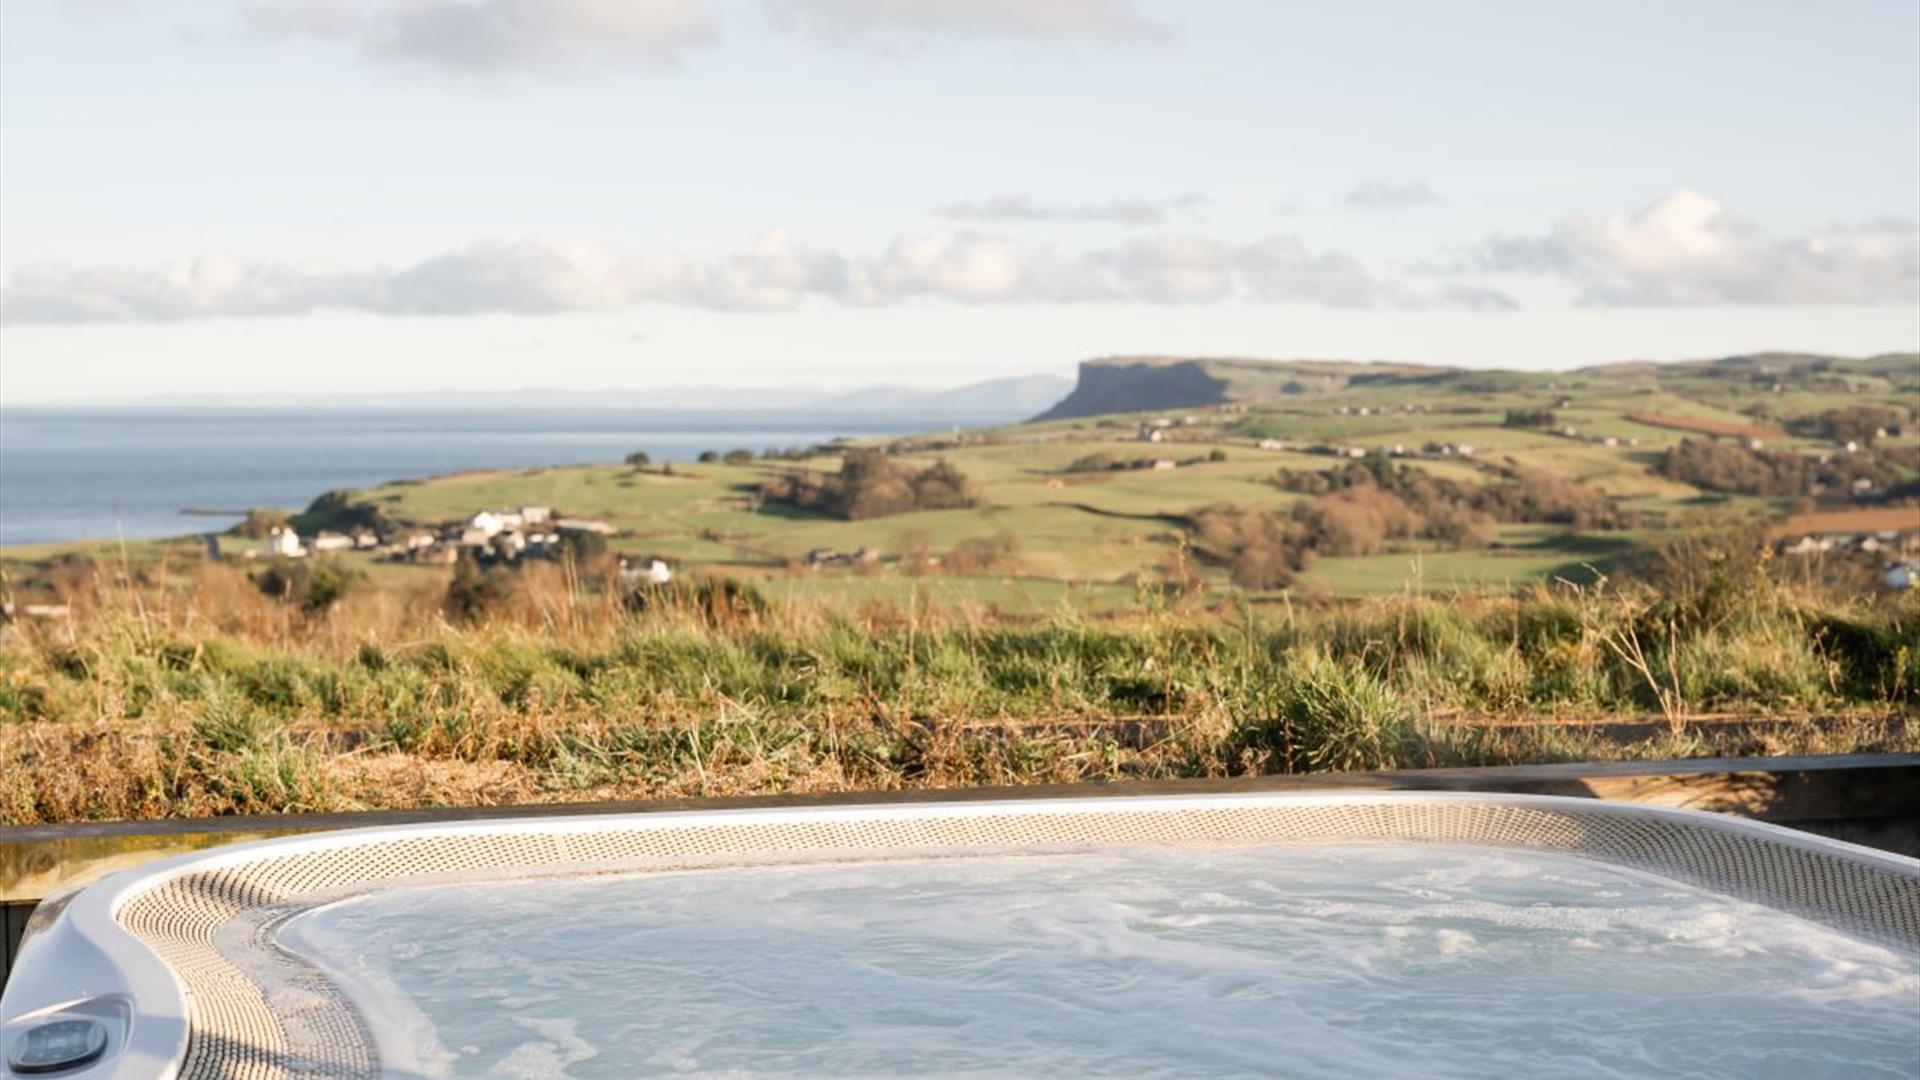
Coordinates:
(1353,960)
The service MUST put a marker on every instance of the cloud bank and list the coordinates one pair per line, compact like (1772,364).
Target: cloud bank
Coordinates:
(778,273)
(1024,209)
(574,37)
(895,24)
(495,37)
(1689,249)
(1685,249)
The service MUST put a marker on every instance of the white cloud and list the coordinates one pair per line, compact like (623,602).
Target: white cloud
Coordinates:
(1115,212)
(1282,270)
(1687,248)
(1171,269)
(956,263)
(53,291)
(1383,195)
(1475,297)
(891,25)
(536,277)
(495,37)
(521,276)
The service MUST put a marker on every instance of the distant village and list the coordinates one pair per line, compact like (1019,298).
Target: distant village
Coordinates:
(488,537)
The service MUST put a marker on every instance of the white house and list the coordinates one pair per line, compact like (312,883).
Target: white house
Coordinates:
(284,543)
(488,523)
(332,541)
(536,515)
(658,572)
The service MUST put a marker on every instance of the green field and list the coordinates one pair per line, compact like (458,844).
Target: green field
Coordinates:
(1115,530)
(1056,624)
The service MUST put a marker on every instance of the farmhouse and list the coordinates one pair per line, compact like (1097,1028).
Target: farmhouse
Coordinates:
(284,543)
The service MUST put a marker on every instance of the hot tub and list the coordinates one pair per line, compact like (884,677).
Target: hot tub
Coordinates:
(1213,935)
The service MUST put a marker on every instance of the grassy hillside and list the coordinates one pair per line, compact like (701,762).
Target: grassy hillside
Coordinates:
(1314,580)
(1053,523)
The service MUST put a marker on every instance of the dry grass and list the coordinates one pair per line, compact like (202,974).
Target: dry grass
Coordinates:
(185,692)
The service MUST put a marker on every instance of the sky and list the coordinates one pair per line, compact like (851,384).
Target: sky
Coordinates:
(303,197)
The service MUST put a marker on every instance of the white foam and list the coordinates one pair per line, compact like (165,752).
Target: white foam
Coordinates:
(1348,961)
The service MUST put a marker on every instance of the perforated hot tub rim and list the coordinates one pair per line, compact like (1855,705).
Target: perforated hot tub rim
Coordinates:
(193,939)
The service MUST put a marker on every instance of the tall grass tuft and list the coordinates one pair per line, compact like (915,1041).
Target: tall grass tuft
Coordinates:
(1326,716)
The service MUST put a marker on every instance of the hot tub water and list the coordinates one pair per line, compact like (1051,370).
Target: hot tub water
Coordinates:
(1347,960)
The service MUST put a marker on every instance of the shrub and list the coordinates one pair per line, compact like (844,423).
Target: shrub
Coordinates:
(869,486)
(1446,509)
(1263,549)
(259,524)
(1853,422)
(1528,418)
(313,585)
(476,593)
(1879,657)
(1328,716)
(1358,521)
(1714,465)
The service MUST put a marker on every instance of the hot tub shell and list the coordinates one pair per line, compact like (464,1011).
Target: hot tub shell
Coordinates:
(178,959)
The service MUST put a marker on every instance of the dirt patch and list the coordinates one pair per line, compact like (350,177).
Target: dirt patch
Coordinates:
(1865,519)
(1707,427)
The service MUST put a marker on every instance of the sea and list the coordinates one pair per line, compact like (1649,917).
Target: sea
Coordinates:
(105,473)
